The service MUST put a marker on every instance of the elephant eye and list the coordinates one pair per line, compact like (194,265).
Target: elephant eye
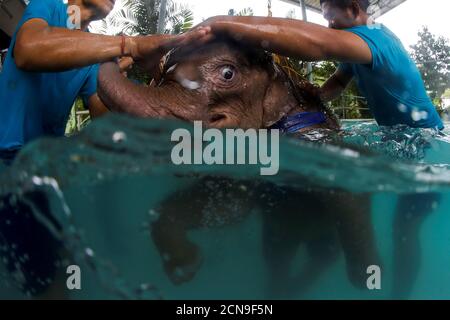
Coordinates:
(228,73)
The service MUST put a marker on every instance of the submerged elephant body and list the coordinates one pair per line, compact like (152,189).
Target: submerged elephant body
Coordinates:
(325,221)
(227,85)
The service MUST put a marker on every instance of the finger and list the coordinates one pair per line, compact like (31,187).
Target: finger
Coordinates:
(125,63)
(197,39)
(207,29)
(172,42)
(126,60)
(188,37)
(200,42)
(206,39)
(199,32)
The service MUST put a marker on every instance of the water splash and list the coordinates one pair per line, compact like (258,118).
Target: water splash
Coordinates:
(120,148)
(94,157)
(74,242)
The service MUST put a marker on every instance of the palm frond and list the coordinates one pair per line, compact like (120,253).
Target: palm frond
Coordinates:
(245,12)
(140,17)
(180,18)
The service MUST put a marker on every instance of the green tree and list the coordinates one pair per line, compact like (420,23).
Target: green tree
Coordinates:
(136,17)
(76,121)
(349,105)
(432,55)
(446,94)
(140,17)
(244,12)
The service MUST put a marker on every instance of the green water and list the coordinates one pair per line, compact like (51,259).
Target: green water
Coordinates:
(106,194)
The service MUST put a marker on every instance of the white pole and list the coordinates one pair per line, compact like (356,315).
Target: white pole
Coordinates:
(305,18)
(303,5)
(162,16)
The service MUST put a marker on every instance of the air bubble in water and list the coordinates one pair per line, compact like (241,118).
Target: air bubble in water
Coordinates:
(417,115)
(75,158)
(89,252)
(243,188)
(434,205)
(153,214)
(179,272)
(119,136)
(424,115)
(402,108)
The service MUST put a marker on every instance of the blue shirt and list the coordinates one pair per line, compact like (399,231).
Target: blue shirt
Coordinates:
(35,104)
(392,83)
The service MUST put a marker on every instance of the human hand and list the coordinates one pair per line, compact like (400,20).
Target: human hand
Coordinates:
(147,51)
(143,47)
(125,64)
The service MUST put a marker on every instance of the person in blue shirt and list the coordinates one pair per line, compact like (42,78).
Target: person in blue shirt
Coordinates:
(50,62)
(385,74)
(368,52)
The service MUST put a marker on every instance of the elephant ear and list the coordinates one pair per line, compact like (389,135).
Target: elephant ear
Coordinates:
(277,101)
(284,93)
(291,89)
(307,94)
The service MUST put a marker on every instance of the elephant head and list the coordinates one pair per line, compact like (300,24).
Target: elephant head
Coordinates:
(223,83)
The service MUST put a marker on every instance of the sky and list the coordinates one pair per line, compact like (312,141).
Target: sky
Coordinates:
(405,20)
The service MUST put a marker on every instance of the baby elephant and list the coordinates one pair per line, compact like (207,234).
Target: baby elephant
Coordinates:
(228,85)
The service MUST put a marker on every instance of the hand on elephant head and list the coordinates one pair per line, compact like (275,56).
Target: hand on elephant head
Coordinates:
(146,50)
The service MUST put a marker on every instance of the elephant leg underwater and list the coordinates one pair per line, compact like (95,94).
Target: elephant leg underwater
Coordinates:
(352,216)
(296,218)
(210,203)
(412,210)
(325,220)
(178,213)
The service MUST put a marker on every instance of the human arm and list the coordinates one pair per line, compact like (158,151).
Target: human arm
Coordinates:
(40,47)
(335,85)
(293,38)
